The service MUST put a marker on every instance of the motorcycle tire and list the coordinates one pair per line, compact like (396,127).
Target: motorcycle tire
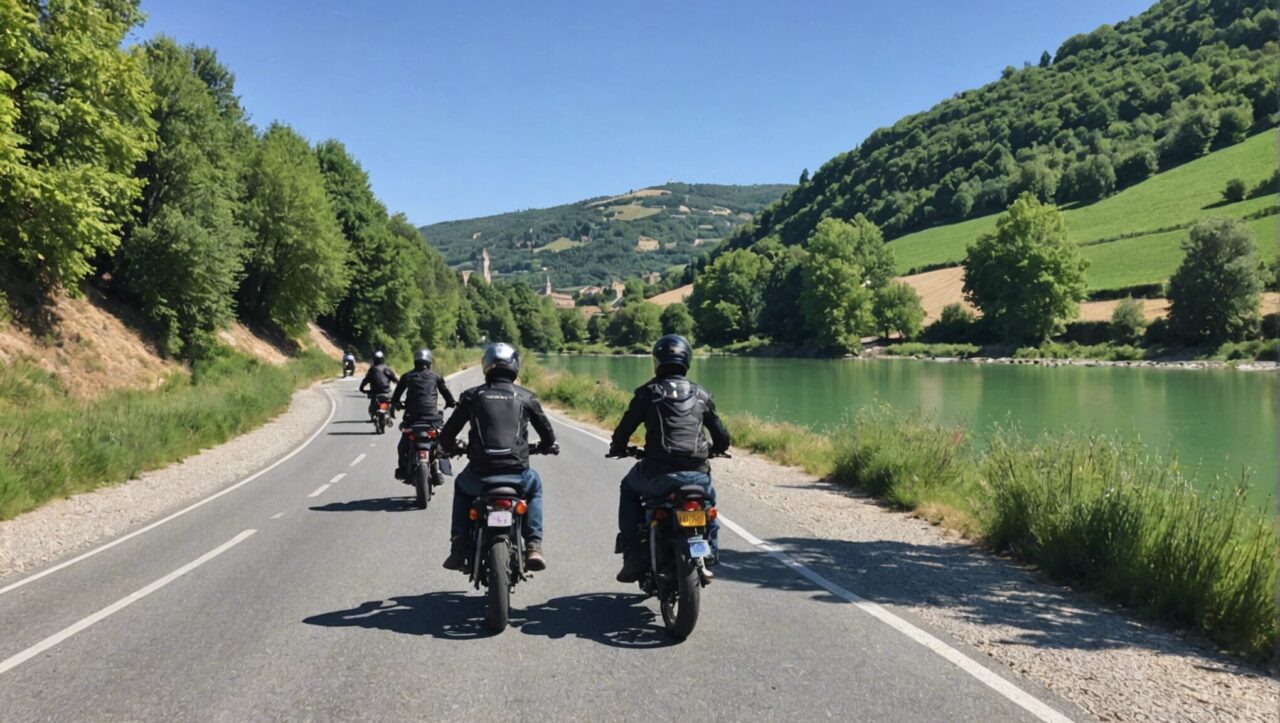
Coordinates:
(421,487)
(499,594)
(680,605)
(379,424)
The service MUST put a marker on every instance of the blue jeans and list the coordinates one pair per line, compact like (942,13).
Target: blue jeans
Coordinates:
(636,486)
(467,486)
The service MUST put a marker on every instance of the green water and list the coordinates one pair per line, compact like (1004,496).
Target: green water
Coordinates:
(1218,422)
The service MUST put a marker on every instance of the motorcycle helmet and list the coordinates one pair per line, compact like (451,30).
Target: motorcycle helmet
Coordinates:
(500,359)
(422,359)
(672,355)
(379,357)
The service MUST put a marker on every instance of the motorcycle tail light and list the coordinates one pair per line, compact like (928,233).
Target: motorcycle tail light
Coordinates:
(433,433)
(502,504)
(474,514)
(691,505)
(521,507)
(711,513)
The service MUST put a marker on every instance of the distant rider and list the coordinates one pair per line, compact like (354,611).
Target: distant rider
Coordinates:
(421,389)
(498,444)
(348,363)
(378,380)
(673,411)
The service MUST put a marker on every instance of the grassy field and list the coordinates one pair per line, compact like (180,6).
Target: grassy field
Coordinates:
(630,212)
(1179,196)
(560,244)
(1110,517)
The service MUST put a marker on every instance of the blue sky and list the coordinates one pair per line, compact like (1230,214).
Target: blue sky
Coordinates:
(460,108)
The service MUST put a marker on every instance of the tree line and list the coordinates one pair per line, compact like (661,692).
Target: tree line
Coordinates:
(1109,109)
(138,168)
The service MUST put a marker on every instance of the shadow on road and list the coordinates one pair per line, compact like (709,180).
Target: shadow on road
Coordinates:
(375,504)
(350,421)
(619,621)
(1018,606)
(352,434)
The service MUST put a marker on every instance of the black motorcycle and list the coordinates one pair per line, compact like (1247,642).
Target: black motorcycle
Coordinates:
(497,552)
(425,468)
(676,533)
(348,369)
(381,412)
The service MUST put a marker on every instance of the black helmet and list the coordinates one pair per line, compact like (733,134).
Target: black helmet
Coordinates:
(500,358)
(422,359)
(672,354)
(379,357)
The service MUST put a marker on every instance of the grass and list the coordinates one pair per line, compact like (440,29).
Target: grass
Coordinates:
(1176,197)
(1106,516)
(1076,350)
(933,351)
(52,445)
(630,212)
(560,244)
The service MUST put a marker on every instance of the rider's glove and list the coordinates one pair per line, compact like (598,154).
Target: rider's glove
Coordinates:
(552,448)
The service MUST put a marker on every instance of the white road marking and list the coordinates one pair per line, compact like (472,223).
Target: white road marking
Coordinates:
(277,515)
(118,605)
(337,477)
(1025,700)
(319,490)
(358,459)
(333,409)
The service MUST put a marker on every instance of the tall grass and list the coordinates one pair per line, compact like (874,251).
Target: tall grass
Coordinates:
(1109,516)
(52,445)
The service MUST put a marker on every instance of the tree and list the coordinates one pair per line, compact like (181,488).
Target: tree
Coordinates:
(1026,276)
(494,319)
(573,326)
(1234,123)
(846,260)
(633,290)
(804,177)
(638,323)
(1137,167)
(1235,190)
(727,296)
(1214,294)
(897,307)
(1045,59)
(1092,179)
(1128,321)
(1193,133)
(182,258)
(597,327)
(440,320)
(676,319)
(74,123)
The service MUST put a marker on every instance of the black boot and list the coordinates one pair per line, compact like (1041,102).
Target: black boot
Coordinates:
(634,563)
(533,559)
(457,559)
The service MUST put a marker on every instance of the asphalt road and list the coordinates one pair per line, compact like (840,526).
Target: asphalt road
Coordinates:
(315,592)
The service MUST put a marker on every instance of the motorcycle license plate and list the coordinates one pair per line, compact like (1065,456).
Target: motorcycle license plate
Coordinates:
(422,454)
(500,518)
(699,547)
(691,518)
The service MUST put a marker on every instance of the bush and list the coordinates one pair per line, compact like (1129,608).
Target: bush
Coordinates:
(933,351)
(1087,332)
(1235,190)
(1072,350)
(1271,326)
(956,324)
(1213,294)
(1128,321)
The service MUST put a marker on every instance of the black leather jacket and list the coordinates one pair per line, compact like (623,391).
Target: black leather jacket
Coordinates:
(674,412)
(421,389)
(500,414)
(378,379)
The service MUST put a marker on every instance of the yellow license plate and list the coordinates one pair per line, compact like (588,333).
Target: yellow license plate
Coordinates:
(691,518)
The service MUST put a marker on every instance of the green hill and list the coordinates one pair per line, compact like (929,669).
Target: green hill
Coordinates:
(1108,111)
(1133,236)
(597,240)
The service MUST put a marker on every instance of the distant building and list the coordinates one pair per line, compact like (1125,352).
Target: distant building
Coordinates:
(466,276)
(652,277)
(589,290)
(647,244)
(488,275)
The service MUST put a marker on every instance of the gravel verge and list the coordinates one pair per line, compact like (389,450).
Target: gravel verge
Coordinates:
(1109,663)
(70,525)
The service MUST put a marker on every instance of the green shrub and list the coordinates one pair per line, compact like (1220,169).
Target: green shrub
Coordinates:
(1128,321)
(1235,191)
(911,348)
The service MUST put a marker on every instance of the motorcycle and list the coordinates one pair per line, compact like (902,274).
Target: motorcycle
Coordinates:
(348,369)
(497,560)
(676,533)
(425,468)
(381,412)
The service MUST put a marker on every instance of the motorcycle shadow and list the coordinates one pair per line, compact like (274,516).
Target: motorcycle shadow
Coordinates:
(375,504)
(615,620)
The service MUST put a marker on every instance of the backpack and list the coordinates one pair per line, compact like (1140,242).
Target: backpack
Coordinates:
(677,407)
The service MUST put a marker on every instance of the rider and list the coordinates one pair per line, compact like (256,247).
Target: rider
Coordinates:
(674,411)
(349,362)
(420,388)
(498,444)
(378,380)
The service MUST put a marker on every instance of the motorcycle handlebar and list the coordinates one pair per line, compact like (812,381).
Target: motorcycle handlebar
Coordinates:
(638,453)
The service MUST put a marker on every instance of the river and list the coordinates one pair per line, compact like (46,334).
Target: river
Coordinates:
(1218,422)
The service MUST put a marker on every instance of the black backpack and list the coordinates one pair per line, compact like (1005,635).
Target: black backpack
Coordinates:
(676,408)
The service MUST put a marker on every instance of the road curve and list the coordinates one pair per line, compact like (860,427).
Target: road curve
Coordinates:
(315,592)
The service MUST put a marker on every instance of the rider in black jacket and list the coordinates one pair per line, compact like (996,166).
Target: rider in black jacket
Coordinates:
(674,412)
(498,444)
(378,380)
(421,390)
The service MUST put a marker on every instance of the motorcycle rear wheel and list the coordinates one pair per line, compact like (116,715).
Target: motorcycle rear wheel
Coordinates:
(421,487)
(680,605)
(499,594)
(379,424)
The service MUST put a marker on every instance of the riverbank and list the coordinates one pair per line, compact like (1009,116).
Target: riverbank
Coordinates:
(1099,514)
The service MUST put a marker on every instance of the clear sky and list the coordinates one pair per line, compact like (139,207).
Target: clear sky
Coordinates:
(464,108)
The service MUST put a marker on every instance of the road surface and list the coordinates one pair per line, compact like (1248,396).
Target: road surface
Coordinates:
(314,591)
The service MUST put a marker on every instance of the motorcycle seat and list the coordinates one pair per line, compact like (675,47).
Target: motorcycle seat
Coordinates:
(691,491)
(507,485)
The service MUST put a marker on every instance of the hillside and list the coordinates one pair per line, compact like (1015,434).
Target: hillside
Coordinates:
(604,238)
(1108,110)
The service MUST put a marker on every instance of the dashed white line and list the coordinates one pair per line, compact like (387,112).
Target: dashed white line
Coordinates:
(1013,693)
(319,490)
(118,605)
(337,477)
(333,409)
(358,459)
(277,515)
